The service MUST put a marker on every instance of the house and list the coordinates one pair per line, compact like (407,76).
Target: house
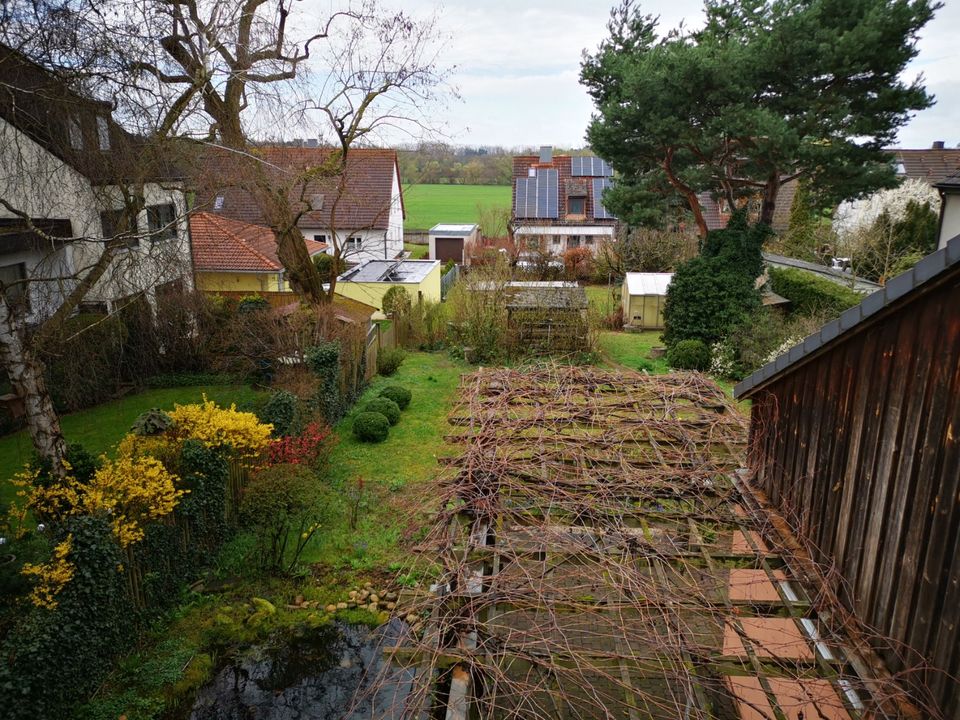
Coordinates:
(452,242)
(369,281)
(558,202)
(234,256)
(855,438)
(359,211)
(643,296)
(71,178)
(839,277)
(949,189)
(716,210)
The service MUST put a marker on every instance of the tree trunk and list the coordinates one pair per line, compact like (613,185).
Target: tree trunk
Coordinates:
(25,372)
(770,192)
(691,197)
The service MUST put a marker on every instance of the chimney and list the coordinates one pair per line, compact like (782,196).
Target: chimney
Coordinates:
(546,154)
(938,144)
(312,142)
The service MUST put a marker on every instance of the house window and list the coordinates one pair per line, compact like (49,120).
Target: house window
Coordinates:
(588,239)
(218,202)
(573,241)
(162,222)
(577,205)
(76,133)
(531,172)
(12,277)
(103,133)
(320,238)
(555,240)
(115,224)
(354,242)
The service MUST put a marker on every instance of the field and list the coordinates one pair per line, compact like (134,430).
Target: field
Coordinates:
(428,205)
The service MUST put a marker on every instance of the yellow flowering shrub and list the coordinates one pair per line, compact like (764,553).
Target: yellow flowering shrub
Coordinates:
(217,427)
(134,490)
(51,577)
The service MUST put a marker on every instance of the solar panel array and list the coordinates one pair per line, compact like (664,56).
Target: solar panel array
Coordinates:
(589,166)
(599,211)
(537,197)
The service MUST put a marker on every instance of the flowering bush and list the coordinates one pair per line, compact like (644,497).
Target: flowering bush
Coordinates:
(311,448)
(216,427)
(51,577)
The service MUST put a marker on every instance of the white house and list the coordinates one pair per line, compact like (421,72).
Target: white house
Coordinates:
(61,160)
(360,211)
(949,190)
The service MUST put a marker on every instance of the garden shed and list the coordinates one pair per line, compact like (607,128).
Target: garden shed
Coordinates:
(643,297)
(547,317)
(451,242)
(369,281)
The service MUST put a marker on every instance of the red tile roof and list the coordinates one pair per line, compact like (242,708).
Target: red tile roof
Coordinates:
(931,165)
(363,203)
(222,244)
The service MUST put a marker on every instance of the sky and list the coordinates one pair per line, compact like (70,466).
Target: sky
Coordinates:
(517,68)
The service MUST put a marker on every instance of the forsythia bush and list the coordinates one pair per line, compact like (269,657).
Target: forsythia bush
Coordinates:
(51,577)
(217,427)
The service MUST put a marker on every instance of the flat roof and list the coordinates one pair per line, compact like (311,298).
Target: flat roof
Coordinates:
(453,229)
(648,283)
(390,271)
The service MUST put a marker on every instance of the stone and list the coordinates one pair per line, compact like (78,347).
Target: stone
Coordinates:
(374,598)
(331,608)
(391,606)
(298,600)
(341,606)
(411,619)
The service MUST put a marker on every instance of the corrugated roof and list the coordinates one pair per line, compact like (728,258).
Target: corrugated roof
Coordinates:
(225,245)
(648,283)
(897,290)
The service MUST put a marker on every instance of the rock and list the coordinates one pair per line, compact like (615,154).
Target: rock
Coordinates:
(365,594)
(374,598)
(411,619)
(372,607)
(391,596)
(341,606)
(298,600)
(391,606)
(367,586)
(351,604)
(417,628)
(352,594)
(331,608)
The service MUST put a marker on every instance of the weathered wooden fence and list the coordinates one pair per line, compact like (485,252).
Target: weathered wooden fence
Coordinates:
(447,281)
(860,447)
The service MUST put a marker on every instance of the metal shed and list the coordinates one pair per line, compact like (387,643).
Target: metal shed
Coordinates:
(643,296)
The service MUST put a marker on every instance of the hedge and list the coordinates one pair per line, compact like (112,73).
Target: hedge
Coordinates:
(812,295)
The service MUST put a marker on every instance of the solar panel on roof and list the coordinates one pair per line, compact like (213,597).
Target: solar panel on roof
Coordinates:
(590,166)
(538,197)
(599,211)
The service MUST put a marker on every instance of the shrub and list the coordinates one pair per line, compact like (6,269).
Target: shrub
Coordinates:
(83,465)
(311,448)
(328,266)
(396,301)
(399,394)
(811,295)
(386,407)
(371,427)
(324,361)
(389,361)
(689,355)
(152,422)
(282,411)
(282,504)
(578,263)
(216,427)
(252,303)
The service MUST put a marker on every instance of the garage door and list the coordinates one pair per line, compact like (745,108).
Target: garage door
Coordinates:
(450,249)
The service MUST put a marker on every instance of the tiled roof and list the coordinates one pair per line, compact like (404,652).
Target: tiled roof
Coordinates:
(363,204)
(932,268)
(950,183)
(932,165)
(568,185)
(222,244)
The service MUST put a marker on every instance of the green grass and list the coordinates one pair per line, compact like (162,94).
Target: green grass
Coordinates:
(603,299)
(395,472)
(632,350)
(100,428)
(417,252)
(427,205)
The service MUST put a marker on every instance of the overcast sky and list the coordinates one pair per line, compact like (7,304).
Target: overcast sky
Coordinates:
(518,65)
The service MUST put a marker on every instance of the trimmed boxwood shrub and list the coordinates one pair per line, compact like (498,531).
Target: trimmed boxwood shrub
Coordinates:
(811,295)
(399,394)
(689,355)
(371,427)
(386,407)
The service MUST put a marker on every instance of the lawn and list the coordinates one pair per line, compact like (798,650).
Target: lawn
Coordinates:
(603,299)
(427,205)
(632,350)
(396,473)
(417,252)
(100,428)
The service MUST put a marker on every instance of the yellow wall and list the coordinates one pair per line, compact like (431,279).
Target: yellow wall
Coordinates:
(237,282)
(643,311)
(372,293)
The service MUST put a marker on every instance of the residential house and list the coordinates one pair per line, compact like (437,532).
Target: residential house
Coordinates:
(369,281)
(855,438)
(233,256)
(949,189)
(360,210)
(71,178)
(558,202)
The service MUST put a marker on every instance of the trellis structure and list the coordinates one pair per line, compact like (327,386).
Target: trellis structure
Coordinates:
(602,560)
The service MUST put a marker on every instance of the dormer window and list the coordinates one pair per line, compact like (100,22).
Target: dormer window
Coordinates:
(103,133)
(900,169)
(531,172)
(577,205)
(76,133)
(218,202)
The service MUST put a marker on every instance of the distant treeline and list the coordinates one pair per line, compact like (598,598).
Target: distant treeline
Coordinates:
(438,164)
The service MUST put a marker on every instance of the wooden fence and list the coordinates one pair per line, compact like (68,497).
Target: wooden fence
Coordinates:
(860,447)
(447,281)
(380,337)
